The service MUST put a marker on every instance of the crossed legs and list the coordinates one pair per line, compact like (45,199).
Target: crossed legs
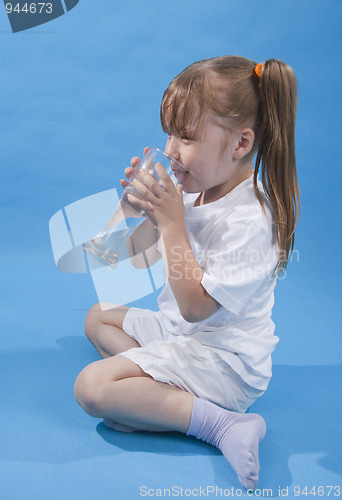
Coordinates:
(118,390)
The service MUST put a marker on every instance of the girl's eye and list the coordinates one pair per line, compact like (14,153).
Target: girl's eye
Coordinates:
(185,140)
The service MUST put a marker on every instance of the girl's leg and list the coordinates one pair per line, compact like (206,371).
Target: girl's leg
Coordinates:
(103,327)
(118,390)
(236,435)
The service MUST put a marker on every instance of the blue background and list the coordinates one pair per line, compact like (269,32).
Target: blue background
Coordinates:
(79,97)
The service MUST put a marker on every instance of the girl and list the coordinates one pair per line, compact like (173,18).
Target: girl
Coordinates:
(198,364)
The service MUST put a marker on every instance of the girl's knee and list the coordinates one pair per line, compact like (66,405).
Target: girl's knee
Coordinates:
(87,391)
(92,319)
(103,312)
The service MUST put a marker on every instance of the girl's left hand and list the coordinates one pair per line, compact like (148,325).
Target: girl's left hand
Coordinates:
(162,203)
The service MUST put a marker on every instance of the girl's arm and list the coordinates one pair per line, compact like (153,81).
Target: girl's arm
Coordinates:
(142,245)
(185,275)
(164,207)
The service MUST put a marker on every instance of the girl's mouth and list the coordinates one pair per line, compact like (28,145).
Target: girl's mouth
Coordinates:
(180,175)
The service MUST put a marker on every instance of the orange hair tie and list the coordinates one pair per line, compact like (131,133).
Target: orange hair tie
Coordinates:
(258,69)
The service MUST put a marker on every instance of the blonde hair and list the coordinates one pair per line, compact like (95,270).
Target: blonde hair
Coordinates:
(230,91)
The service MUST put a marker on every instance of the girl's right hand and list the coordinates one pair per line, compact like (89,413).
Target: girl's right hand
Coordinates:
(130,170)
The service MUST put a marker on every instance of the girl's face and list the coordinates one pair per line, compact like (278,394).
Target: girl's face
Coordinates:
(209,166)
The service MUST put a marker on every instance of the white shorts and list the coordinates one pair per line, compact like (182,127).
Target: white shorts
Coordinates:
(185,363)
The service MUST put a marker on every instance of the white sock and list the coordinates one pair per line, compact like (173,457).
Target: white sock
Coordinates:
(236,435)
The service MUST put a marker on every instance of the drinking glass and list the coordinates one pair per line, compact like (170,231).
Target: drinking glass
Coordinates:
(108,243)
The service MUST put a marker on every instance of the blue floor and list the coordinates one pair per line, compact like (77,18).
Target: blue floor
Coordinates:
(79,97)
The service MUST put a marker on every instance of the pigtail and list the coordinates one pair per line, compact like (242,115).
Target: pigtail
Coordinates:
(276,152)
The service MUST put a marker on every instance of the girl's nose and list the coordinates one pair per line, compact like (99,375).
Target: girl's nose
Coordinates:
(171,147)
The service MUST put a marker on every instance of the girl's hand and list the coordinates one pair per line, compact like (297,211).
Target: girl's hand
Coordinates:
(163,203)
(130,170)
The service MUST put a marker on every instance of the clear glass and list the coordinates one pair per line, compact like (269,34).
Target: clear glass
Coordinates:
(107,245)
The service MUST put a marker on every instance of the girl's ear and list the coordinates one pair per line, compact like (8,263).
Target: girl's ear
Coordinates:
(244,143)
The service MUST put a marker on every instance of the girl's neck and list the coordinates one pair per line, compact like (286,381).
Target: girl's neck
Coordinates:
(217,192)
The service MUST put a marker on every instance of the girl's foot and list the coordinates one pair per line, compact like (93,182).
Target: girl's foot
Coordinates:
(118,427)
(236,435)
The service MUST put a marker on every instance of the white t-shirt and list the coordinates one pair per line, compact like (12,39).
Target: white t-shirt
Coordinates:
(235,245)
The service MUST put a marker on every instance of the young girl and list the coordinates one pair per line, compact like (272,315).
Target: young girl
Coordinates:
(199,363)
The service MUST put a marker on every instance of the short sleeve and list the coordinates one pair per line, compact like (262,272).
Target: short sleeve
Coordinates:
(238,263)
